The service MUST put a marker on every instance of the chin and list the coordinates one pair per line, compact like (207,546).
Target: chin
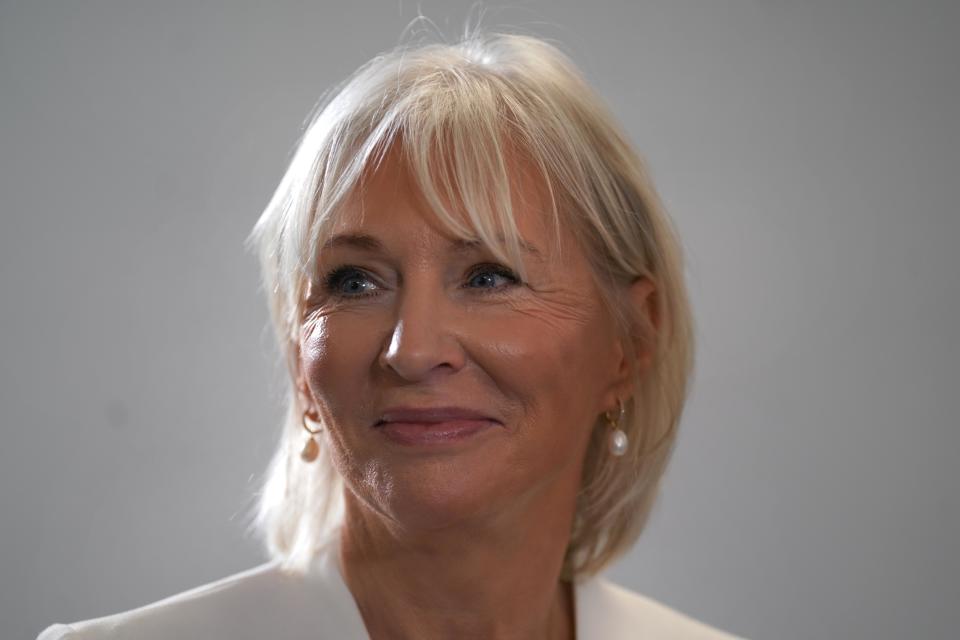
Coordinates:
(435,494)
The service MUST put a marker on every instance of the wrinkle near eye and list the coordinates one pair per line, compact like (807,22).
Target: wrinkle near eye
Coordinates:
(556,307)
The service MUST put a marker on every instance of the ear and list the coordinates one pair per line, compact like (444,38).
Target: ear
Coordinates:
(646,319)
(295,367)
(645,323)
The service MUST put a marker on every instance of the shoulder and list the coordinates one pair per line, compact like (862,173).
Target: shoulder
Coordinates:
(263,602)
(215,605)
(610,611)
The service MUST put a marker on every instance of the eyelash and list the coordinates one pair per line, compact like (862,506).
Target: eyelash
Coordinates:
(335,277)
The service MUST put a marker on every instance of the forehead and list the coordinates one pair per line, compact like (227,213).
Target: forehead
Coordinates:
(389,198)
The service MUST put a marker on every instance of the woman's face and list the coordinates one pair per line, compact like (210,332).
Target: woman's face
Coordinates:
(411,319)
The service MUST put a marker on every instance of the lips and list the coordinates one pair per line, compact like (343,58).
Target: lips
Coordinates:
(431,427)
(427,415)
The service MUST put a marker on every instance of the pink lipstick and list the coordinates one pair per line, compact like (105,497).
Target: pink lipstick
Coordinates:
(426,426)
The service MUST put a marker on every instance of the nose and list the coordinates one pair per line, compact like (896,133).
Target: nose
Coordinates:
(422,340)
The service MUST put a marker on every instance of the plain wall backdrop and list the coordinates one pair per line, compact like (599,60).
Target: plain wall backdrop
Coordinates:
(808,152)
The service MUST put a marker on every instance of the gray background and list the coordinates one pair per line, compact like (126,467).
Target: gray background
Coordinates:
(807,150)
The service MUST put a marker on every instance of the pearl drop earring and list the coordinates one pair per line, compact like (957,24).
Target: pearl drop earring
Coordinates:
(311,449)
(618,441)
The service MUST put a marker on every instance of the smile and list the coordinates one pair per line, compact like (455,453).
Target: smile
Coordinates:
(433,433)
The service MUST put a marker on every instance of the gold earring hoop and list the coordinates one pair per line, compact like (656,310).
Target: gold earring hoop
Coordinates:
(618,441)
(311,449)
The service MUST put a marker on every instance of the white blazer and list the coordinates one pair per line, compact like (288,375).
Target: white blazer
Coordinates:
(265,602)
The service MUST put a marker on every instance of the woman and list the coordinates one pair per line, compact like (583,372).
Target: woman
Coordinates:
(481,303)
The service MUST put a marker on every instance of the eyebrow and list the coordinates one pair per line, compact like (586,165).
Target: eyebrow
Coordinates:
(366,242)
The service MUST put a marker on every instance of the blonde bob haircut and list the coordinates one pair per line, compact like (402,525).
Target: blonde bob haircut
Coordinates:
(459,113)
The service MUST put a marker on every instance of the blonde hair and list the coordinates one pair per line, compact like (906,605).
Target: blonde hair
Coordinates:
(455,111)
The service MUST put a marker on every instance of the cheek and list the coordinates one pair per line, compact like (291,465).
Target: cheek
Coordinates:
(335,351)
(554,367)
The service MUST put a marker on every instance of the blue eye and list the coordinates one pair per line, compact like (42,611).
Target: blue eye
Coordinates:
(349,282)
(346,274)
(489,271)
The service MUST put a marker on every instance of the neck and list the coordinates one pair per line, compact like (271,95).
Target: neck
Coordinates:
(493,578)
